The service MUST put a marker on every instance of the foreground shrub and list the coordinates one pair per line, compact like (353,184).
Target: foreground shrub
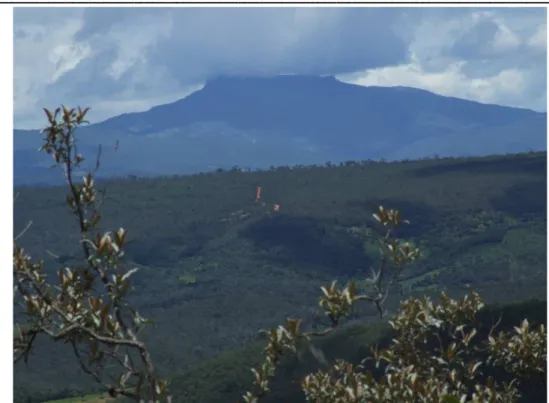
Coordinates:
(87,308)
(414,370)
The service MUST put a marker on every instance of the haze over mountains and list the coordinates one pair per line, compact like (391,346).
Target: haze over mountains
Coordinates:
(290,120)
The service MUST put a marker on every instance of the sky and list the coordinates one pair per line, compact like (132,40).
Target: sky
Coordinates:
(120,60)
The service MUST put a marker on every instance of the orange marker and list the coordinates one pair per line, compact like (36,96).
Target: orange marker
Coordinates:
(258,196)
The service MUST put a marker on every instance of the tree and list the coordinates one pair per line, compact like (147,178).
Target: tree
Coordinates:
(434,357)
(88,307)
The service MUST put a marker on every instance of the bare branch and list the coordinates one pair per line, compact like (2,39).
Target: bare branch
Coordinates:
(22,232)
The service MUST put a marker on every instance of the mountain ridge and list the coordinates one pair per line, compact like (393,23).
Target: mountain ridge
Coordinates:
(300,120)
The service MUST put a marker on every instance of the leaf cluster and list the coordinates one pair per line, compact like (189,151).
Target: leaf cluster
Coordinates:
(86,308)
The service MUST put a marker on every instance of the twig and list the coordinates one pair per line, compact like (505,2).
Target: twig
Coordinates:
(52,254)
(23,232)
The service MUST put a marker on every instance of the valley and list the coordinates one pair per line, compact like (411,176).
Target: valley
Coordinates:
(211,281)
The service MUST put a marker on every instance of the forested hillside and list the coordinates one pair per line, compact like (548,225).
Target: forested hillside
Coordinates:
(216,266)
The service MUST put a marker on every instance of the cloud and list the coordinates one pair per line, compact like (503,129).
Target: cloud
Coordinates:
(43,52)
(129,59)
(492,56)
(507,87)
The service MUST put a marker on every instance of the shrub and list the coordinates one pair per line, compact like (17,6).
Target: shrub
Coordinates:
(87,309)
(436,355)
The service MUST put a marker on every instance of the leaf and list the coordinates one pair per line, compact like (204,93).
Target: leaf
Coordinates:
(475,367)
(129,273)
(61,278)
(352,290)
(96,321)
(104,311)
(95,220)
(325,291)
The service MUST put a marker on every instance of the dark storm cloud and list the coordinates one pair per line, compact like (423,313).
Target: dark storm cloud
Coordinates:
(476,43)
(128,59)
(207,42)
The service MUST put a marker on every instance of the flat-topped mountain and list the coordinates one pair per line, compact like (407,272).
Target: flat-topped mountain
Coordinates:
(287,120)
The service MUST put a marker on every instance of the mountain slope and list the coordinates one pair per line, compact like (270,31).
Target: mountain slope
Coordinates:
(288,120)
(479,222)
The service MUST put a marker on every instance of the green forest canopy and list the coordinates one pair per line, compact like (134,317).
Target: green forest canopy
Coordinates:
(211,278)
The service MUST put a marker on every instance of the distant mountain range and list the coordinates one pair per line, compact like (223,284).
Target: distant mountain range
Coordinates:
(290,120)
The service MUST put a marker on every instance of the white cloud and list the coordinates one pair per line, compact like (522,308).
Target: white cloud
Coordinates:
(42,54)
(490,56)
(505,40)
(141,33)
(507,87)
(538,41)
(66,58)
(129,59)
